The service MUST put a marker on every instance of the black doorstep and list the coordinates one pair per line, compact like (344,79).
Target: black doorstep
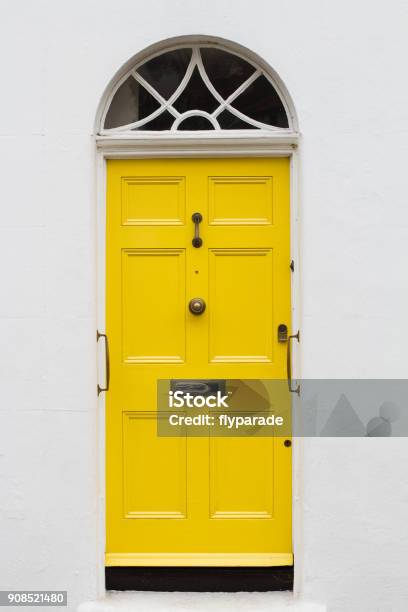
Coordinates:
(199,579)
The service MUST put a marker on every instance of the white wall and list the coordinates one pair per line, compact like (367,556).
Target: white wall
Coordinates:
(345,66)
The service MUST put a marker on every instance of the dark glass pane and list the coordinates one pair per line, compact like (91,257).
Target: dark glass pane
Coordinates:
(261,102)
(124,106)
(196,123)
(164,121)
(228,121)
(196,96)
(225,71)
(130,103)
(166,71)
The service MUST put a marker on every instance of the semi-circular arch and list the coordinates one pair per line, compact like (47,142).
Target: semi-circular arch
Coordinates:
(132,103)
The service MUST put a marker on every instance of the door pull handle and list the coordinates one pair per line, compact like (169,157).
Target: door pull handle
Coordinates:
(107,363)
(196,219)
(289,365)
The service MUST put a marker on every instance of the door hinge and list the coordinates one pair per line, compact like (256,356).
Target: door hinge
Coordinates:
(292,265)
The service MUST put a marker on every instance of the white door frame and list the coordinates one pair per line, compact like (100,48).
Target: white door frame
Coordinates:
(197,145)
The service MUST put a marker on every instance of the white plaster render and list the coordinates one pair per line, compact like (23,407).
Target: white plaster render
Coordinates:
(344,65)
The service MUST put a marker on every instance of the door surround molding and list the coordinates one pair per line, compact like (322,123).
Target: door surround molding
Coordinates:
(196,145)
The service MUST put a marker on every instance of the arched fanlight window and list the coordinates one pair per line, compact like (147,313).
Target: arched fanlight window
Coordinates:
(195,87)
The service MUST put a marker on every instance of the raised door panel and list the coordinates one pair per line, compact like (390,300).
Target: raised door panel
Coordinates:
(154,470)
(240,326)
(153,305)
(240,200)
(153,200)
(241,478)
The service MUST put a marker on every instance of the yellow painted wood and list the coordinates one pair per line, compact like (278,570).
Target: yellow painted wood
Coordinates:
(195,501)
(198,559)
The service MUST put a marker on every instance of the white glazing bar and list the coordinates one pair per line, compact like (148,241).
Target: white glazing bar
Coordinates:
(205,78)
(254,122)
(185,80)
(135,124)
(164,103)
(195,113)
(236,93)
(149,88)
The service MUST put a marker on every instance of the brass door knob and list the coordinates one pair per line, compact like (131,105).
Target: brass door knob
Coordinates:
(196,306)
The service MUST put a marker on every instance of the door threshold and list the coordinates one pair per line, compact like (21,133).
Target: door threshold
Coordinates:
(199,579)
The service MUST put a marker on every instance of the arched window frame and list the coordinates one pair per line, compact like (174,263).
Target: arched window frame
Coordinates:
(127,132)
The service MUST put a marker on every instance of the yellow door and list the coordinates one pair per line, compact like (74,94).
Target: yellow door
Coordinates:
(195,500)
